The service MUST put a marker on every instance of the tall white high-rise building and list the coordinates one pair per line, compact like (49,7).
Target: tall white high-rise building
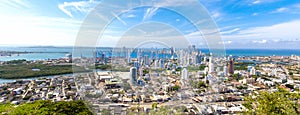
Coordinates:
(184,74)
(210,68)
(210,65)
(252,71)
(156,65)
(205,59)
(128,56)
(133,75)
(225,70)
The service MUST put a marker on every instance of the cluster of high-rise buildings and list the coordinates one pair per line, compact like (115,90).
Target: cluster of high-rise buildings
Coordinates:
(172,59)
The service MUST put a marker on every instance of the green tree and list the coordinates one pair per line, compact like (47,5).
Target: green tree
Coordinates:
(280,102)
(201,84)
(46,108)
(291,73)
(104,67)
(176,88)
(4,108)
(154,105)
(202,67)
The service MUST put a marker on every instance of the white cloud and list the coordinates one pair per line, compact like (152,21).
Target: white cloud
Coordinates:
(80,6)
(260,41)
(254,14)
(175,3)
(15,3)
(279,10)
(225,42)
(216,15)
(149,13)
(195,34)
(283,31)
(16,7)
(292,9)
(230,31)
(256,2)
(20,30)
(131,16)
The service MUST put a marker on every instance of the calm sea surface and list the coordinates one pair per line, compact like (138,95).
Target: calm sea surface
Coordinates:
(60,52)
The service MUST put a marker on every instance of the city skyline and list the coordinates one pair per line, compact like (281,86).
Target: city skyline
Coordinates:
(242,24)
(156,57)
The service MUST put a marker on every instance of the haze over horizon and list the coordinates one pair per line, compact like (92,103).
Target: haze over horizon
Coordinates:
(249,24)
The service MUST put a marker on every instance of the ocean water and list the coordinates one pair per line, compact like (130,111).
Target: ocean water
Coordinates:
(53,53)
(60,52)
(263,52)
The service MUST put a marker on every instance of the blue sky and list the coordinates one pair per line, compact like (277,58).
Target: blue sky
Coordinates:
(242,23)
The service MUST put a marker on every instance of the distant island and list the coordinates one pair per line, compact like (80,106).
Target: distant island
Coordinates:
(11,53)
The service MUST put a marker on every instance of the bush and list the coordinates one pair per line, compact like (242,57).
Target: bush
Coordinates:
(47,108)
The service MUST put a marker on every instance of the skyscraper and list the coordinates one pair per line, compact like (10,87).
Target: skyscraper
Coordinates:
(128,56)
(252,71)
(231,66)
(210,65)
(198,59)
(156,65)
(133,75)
(184,73)
(172,51)
(225,69)
(162,63)
(136,64)
(146,60)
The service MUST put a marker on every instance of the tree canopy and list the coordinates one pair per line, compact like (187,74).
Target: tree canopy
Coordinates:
(46,108)
(280,102)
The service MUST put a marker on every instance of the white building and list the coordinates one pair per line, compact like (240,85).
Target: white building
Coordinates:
(184,74)
(156,65)
(253,71)
(225,70)
(210,68)
(210,65)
